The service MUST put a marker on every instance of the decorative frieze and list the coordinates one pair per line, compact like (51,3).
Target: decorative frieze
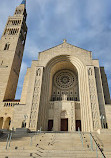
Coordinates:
(72,116)
(93,98)
(36,99)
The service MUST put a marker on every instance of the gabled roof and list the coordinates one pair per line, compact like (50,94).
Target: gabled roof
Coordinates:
(65,44)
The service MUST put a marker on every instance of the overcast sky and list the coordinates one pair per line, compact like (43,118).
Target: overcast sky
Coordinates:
(84,23)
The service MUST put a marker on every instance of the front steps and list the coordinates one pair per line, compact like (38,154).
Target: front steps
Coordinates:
(58,145)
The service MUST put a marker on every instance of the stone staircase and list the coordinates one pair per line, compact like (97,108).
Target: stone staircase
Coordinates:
(104,140)
(49,145)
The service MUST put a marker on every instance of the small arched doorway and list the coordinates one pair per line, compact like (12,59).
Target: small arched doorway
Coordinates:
(7,123)
(1,122)
(64,121)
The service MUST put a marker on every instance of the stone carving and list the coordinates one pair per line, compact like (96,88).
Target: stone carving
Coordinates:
(90,71)
(37,82)
(72,117)
(36,99)
(38,72)
(64,97)
(93,98)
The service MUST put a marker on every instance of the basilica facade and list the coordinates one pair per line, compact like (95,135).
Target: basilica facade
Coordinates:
(64,90)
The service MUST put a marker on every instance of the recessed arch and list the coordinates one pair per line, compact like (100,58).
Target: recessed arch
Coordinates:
(75,64)
(1,122)
(7,123)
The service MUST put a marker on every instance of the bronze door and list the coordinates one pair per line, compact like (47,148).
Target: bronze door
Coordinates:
(50,125)
(78,125)
(64,124)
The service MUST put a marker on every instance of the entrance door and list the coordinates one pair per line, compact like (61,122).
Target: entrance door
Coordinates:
(64,124)
(78,125)
(50,125)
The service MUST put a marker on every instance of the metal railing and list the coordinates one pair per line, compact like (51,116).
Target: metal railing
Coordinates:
(92,144)
(9,138)
(81,137)
(35,134)
(97,147)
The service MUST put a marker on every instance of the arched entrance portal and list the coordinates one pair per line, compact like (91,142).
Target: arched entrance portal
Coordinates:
(62,93)
(1,122)
(7,123)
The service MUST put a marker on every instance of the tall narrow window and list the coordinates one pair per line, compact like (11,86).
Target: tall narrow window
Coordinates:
(2,62)
(7,45)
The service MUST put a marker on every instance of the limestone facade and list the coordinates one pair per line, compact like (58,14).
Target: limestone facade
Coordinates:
(65,89)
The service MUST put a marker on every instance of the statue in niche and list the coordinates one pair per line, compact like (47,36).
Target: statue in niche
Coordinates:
(64,97)
(38,72)
(90,72)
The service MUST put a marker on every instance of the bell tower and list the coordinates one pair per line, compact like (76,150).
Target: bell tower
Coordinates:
(11,52)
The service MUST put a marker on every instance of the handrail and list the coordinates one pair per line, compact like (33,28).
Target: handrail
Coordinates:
(7,141)
(81,138)
(9,138)
(31,138)
(103,156)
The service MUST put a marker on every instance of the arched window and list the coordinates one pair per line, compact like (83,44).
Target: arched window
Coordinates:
(7,45)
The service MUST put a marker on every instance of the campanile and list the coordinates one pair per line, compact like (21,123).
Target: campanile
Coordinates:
(11,52)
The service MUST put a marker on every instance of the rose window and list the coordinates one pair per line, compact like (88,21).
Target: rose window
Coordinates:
(64,79)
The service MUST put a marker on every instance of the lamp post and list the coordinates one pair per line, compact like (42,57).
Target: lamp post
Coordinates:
(102,117)
(25,118)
